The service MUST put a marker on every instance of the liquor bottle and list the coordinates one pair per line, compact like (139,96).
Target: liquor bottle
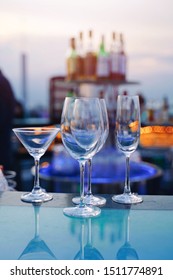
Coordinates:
(114,58)
(102,61)
(122,59)
(165,110)
(80,58)
(90,59)
(71,60)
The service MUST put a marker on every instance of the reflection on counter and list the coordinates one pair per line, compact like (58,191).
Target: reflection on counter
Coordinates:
(37,249)
(115,234)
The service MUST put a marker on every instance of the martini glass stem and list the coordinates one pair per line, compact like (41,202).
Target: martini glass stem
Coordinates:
(127,189)
(36,178)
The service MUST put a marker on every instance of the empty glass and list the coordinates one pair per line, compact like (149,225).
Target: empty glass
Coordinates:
(81,128)
(127,139)
(36,140)
(89,197)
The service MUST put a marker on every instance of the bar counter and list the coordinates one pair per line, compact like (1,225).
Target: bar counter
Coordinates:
(143,231)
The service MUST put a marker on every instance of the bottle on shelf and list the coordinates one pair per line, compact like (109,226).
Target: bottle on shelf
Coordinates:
(71,60)
(165,110)
(71,93)
(102,61)
(114,58)
(80,58)
(122,59)
(90,59)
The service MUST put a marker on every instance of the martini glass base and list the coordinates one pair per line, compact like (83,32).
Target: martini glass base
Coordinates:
(127,198)
(36,197)
(90,199)
(82,212)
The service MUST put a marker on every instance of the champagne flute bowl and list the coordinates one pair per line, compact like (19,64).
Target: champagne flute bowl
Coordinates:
(36,140)
(127,139)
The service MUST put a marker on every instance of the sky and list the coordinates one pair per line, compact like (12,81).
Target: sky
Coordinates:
(41,29)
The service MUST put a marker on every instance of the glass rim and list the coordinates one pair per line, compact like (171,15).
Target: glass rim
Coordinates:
(82,97)
(35,128)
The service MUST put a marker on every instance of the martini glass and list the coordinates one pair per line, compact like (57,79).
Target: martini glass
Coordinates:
(36,140)
(37,249)
(89,197)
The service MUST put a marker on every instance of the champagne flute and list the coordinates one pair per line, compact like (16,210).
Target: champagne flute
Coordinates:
(36,140)
(127,139)
(81,127)
(89,197)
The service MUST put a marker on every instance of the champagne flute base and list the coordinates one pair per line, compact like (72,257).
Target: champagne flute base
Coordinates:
(127,198)
(36,197)
(82,211)
(90,199)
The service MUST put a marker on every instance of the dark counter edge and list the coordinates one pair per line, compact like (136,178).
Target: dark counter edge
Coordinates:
(61,200)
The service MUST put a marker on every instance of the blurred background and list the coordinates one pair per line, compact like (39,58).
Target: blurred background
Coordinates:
(41,30)
(34,40)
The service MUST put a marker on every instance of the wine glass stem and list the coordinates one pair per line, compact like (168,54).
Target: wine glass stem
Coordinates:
(89,192)
(89,232)
(82,183)
(36,179)
(127,189)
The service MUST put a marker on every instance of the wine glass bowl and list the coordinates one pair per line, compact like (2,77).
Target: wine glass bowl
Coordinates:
(36,140)
(81,124)
(127,135)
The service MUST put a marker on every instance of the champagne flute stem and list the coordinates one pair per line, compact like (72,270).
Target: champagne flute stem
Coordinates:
(89,192)
(127,189)
(36,178)
(82,183)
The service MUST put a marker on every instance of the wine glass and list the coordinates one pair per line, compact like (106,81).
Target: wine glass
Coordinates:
(127,139)
(88,251)
(89,197)
(81,127)
(36,141)
(37,249)
(127,252)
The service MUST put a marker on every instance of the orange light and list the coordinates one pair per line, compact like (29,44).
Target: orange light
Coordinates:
(157,136)
(134,126)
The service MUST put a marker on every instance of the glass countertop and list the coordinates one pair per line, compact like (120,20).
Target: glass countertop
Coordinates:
(33,232)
